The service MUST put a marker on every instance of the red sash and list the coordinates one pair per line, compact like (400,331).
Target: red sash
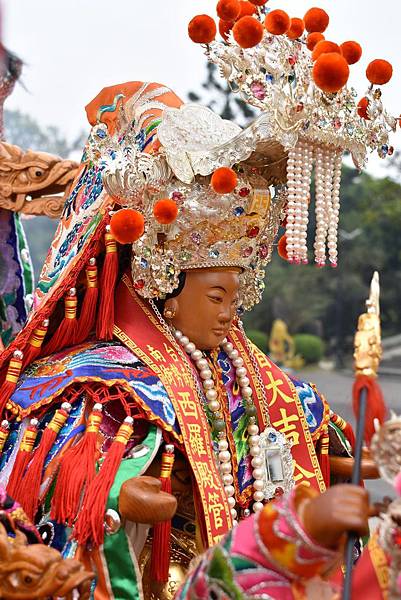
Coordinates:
(138,328)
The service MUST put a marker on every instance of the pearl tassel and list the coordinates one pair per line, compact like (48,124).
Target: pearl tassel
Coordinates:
(214,406)
(320,208)
(299,171)
(335,208)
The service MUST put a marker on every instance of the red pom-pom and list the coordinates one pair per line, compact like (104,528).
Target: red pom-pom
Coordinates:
(258,2)
(282,247)
(316,19)
(363,108)
(225,28)
(277,22)
(379,72)
(297,27)
(127,225)
(228,10)
(351,51)
(313,39)
(331,72)
(224,180)
(248,32)
(324,47)
(202,29)
(165,211)
(246,9)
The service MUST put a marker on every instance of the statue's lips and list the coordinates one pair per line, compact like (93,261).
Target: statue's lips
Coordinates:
(220,332)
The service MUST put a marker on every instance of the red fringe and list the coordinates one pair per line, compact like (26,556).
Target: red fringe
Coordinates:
(324,460)
(160,559)
(35,342)
(77,470)
(376,408)
(10,383)
(30,485)
(66,333)
(105,320)
(90,523)
(22,459)
(87,317)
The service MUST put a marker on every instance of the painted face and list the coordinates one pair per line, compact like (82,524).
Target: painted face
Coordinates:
(206,307)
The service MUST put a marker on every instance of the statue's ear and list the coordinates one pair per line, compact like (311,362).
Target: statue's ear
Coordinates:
(4,544)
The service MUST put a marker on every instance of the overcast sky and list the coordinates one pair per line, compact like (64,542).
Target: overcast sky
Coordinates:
(73,48)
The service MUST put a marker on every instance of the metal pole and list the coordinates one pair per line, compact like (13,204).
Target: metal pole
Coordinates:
(356,478)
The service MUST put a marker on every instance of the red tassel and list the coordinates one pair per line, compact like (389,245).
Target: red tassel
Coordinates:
(30,485)
(323,457)
(22,459)
(105,320)
(11,380)
(4,431)
(66,333)
(35,344)
(375,409)
(345,427)
(77,469)
(160,561)
(87,317)
(90,523)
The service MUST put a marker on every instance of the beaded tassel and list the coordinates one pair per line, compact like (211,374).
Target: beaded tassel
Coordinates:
(22,459)
(77,470)
(105,320)
(30,485)
(87,317)
(10,383)
(90,523)
(35,343)
(323,456)
(65,334)
(160,561)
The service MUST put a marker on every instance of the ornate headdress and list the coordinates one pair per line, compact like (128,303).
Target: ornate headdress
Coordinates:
(287,69)
(183,206)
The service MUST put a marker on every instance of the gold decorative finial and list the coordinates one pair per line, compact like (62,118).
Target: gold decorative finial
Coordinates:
(367,342)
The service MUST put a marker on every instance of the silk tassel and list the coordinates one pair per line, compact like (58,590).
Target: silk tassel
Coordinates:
(90,523)
(66,333)
(77,470)
(160,560)
(13,372)
(87,318)
(375,406)
(345,427)
(105,320)
(35,344)
(31,482)
(22,459)
(323,457)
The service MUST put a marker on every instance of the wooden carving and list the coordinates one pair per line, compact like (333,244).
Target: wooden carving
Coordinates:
(34,183)
(35,571)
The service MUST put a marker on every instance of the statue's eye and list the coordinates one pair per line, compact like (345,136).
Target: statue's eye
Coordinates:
(28,579)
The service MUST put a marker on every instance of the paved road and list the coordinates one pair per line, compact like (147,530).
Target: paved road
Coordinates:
(337,388)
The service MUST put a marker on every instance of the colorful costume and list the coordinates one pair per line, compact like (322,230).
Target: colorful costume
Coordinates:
(142,386)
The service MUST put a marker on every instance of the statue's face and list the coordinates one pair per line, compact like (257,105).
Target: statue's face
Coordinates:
(206,307)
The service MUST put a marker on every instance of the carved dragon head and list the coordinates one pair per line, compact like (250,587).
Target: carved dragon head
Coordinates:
(36,571)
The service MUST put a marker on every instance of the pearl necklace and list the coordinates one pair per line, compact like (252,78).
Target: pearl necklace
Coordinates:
(218,424)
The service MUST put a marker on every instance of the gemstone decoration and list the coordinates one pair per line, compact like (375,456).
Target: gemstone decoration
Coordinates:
(253,231)
(238,211)
(258,90)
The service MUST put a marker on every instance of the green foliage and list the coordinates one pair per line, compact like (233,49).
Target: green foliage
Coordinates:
(310,347)
(259,338)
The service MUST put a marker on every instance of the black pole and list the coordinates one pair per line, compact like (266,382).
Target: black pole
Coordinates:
(356,478)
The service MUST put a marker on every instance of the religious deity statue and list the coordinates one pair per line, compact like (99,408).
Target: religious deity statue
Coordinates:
(149,371)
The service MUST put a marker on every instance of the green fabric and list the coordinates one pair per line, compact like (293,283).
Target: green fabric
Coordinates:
(122,565)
